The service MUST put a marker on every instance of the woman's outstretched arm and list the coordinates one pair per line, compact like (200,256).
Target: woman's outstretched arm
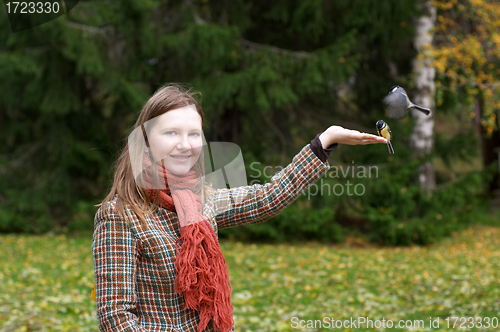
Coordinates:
(337,134)
(258,203)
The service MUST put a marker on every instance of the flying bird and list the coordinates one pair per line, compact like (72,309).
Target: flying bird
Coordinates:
(399,104)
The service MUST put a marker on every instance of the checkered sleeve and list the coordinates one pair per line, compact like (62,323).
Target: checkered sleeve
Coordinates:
(115,256)
(258,203)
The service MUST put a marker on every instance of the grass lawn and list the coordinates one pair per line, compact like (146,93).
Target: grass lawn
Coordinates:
(46,283)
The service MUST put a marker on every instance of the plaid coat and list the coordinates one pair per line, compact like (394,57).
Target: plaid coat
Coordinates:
(134,269)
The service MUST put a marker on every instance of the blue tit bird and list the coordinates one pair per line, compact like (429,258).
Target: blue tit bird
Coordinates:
(384,131)
(399,104)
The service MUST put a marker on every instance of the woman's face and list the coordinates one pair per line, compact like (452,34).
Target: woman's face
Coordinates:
(176,139)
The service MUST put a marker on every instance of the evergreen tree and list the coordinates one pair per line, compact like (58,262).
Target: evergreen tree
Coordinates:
(280,71)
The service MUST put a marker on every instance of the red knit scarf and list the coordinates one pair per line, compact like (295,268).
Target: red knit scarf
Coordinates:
(201,271)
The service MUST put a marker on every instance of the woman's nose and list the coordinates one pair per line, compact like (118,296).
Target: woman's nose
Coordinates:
(183,143)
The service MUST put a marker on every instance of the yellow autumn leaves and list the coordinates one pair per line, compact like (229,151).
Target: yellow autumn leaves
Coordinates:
(92,293)
(46,281)
(467,54)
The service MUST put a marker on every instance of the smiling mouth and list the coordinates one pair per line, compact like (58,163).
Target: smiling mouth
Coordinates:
(180,158)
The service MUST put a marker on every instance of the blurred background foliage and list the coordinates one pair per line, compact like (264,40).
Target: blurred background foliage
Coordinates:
(273,74)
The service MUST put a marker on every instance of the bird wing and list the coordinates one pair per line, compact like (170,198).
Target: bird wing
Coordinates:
(396,103)
(389,131)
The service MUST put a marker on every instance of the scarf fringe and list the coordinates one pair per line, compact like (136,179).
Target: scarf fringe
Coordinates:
(202,276)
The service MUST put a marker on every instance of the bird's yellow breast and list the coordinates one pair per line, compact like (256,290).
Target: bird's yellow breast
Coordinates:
(385,133)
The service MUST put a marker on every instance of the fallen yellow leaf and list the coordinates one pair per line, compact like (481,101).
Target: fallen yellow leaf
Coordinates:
(92,294)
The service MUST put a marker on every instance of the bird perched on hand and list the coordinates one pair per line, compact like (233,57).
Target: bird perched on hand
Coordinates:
(384,131)
(398,103)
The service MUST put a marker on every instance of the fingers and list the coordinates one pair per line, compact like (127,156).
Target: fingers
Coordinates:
(365,141)
(354,137)
(377,140)
(365,135)
(373,139)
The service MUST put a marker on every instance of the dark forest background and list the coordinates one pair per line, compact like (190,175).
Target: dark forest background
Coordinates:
(272,74)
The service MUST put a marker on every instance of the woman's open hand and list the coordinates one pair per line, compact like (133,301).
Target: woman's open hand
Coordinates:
(337,134)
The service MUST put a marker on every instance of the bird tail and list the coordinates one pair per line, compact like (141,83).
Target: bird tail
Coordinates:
(389,145)
(424,110)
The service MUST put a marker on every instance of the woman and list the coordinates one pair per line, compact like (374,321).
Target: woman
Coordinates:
(157,261)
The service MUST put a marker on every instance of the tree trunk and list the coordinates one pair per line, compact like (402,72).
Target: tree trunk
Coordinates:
(422,137)
(489,145)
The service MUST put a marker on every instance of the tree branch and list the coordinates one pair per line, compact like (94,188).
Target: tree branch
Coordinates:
(450,182)
(40,49)
(23,158)
(256,46)
(278,133)
(459,77)
(91,29)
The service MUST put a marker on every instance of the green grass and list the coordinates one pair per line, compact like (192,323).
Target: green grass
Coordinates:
(46,282)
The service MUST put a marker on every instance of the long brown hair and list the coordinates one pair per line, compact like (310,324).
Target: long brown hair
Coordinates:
(168,97)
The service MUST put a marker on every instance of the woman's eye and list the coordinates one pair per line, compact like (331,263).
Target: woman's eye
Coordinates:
(195,134)
(170,133)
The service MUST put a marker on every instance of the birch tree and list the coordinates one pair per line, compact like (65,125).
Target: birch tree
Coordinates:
(422,138)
